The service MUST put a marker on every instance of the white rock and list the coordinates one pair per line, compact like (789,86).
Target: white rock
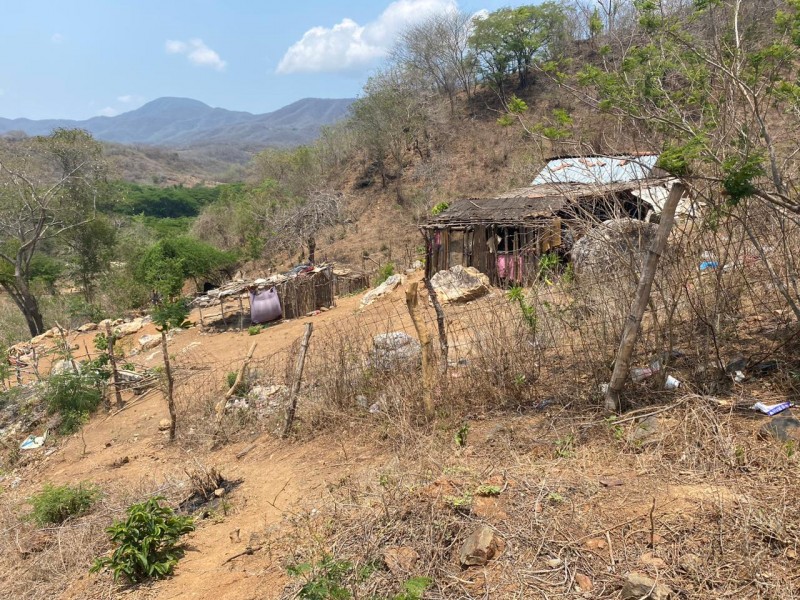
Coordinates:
(382,290)
(460,284)
(148,342)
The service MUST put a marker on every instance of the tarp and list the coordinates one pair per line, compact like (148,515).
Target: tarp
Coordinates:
(264,306)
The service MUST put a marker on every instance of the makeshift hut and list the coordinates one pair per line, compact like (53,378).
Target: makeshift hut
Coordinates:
(505,235)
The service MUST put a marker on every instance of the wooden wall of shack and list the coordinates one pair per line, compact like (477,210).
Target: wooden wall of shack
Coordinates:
(507,254)
(306,293)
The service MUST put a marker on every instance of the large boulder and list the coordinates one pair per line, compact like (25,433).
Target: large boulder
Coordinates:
(128,328)
(60,367)
(387,287)
(618,244)
(460,284)
(395,350)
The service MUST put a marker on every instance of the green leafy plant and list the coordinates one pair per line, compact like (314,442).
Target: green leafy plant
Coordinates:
(74,396)
(440,208)
(517,294)
(565,446)
(615,428)
(488,490)
(324,580)
(461,435)
(461,504)
(384,273)
(414,588)
(147,542)
(55,504)
(254,330)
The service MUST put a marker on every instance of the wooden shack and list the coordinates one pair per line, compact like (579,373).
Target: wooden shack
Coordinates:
(504,236)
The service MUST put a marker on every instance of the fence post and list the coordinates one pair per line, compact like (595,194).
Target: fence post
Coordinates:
(440,322)
(412,301)
(634,320)
(291,405)
(114,375)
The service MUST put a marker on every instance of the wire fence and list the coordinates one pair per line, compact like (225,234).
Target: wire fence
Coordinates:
(723,311)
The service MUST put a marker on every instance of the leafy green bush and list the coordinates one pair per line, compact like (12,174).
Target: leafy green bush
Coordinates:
(147,542)
(384,273)
(331,579)
(254,329)
(440,208)
(55,504)
(74,396)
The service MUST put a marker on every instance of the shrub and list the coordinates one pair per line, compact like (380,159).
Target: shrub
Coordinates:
(254,329)
(74,396)
(384,273)
(147,542)
(55,504)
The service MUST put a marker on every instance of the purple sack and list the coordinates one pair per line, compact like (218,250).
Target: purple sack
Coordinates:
(264,306)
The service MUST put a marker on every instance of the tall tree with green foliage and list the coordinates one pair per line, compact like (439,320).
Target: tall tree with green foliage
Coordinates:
(92,246)
(48,187)
(509,40)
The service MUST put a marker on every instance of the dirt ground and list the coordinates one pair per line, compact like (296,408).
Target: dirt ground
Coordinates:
(701,504)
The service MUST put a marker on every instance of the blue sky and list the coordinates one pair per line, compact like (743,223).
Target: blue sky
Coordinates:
(84,58)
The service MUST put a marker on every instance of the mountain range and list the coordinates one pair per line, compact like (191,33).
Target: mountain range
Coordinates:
(183,122)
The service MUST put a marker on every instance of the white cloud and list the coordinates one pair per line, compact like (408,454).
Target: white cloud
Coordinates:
(197,52)
(108,112)
(130,99)
(57,38)
(349,46)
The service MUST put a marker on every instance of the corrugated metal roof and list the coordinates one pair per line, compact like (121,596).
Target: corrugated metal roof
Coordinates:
(597,170)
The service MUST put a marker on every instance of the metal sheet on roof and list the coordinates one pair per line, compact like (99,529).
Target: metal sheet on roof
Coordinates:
(597,169)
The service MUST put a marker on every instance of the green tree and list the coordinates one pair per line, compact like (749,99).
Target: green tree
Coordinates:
(509,40)
(93,246)
(48,186)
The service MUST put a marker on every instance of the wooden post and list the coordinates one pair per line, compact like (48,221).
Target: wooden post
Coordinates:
(67,349)
(173,415)
(36,364)
(291,405)
(241,314)
(114,374)
(440,322)
(220,407)
(200,310)
(412,302)
(222,311)
(634,320)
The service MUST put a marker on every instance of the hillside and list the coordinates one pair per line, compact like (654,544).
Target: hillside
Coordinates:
(183,122)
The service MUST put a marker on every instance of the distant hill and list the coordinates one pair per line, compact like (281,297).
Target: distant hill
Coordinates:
(183,122)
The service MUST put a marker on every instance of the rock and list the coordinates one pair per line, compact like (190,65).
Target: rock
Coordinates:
(783,428)
(382,290)
(641,587)
(39,338)
(60,367)
(480,547)
(148,342)
(417,265)
(648,558)
(584,582)
(400,560)
(102,324)
(128,328)
(87,327)
(614,245)
(219,492)
(460,284)
(51,333)
(645,431)
(395,350)
(595,543)
(164,424)
(611,481)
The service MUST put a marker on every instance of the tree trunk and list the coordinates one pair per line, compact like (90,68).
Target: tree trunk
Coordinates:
(412,302)
(312,249)
(114,373)
(173,416)
(26,302)
(634,321)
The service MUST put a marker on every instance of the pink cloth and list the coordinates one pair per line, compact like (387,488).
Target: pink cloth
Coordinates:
(508,268)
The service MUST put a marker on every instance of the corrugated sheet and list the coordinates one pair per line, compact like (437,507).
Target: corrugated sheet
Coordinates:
(598,170)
